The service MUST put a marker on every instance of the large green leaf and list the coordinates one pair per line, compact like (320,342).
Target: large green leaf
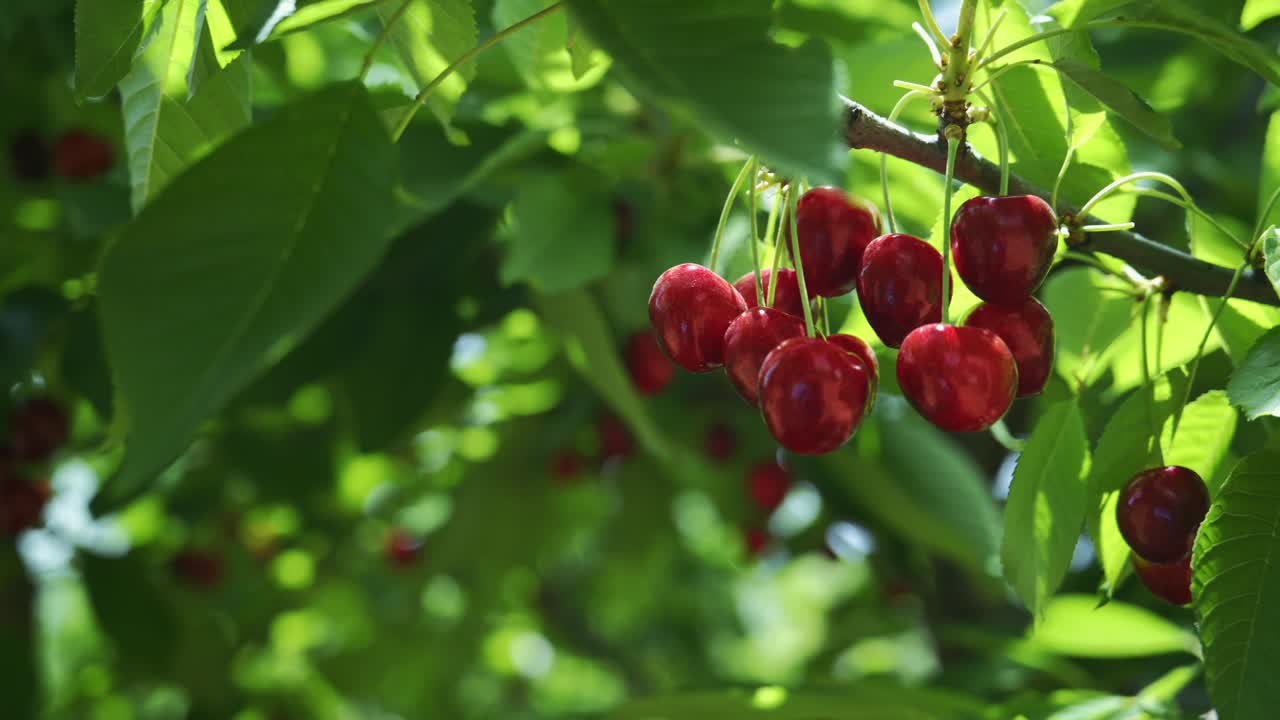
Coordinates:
(190,317)
(1236,586)
(259,21)
(1127,445)
(1257,12)
(429,35)
(872,701)
(1120,100)
(1269,182)
(1271,255)
(125,597)
(155,85)
(1182,17)
(715,58)
(107,34)
(1204,436)
(1087,320)
(1075,625)
(187,130)
(1255,386)
(1045,511)
(534,48)
(562,235)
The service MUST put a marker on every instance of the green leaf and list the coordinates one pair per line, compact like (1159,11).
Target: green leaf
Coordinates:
(1269,182)
(1074,12)
(1120,100)
(576,317)
(859,701)
(189,318)
(1204,435)
(186,131)
(1236,586)
(273,19)
(534,48)
(153,88)
(1077,626)
(20,682)
(125,597)
(1179,17)
(1255,385)
(580,48)
(715,59)
(1127,445)
(1257,12)
(107,35)
(562,235)
(429,35)
(1087,320)
(1271,253)
(1045,512)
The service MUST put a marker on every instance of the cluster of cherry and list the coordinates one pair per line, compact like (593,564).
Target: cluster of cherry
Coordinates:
(814,391)
(1159,513)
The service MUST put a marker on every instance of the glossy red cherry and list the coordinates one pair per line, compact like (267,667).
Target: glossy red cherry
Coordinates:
(38,427)
(768,484)
(82,155)
(1160,510)
(615,438)
(566,465)
(197,568)
(29,156)
(757,541)
(835,228)
(962,379)
(859,348)
(1169,581)
(786,296)
(690,309)
(749,339)
(721,441)
(651,371)
(1027,329)
(21,502)
(1003,246)
(401,548)
(900,286)
(813,395)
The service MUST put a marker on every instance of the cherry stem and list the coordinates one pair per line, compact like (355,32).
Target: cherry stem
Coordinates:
(1001,434)
(1134,177)
(1162,316)
(741,180)
(991,32)
(884,159)
(925,89)
(823,317)
(931,22)
(953,146)
(755,233)
(793,202)
(773,230)
(929,43)
(1146,377)
(1265,215)
(995,73)
(462,60)
(1109,227)
(1002,138)
(382,37)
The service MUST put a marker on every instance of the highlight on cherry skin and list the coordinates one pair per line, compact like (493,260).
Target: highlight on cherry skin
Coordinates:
(690,308)
(1160,510)
(1027,328)
(1003,246)
(834,228)
(962,379)
(813,395)
(900,286)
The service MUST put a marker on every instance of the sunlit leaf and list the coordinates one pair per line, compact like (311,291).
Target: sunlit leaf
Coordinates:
(1120,100)
(1204,436)
(1255,386)
(562,237)
(429,35)
(1257,12)
(1076,625)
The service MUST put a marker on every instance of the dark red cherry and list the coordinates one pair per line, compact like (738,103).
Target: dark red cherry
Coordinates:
(749,339)
(720,442)
(615,438)
(566,465)
(900,286)
(29,156)
(38,427)
(835,228)
(82,155)
(1169,581)
(1027,329)
(197,568)
(401,547)
(757,541)
(962,379)
(651,371)
(21,502)
(859,348)
(1160,510)
(768,484)
(690,308)
(1003,246)
(813,395)
(786,296)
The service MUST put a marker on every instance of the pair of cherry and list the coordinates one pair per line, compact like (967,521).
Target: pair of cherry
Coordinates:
(76,155)
(1159,513)
(38,428)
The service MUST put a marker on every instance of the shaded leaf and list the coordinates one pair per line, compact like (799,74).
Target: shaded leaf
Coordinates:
(1236,586)
(107,35)
(869,700)
(580,49)
(1255,385)
(1120,100)
(312,186)
(1076,625)
(126,598)
(429,35)
(562,235)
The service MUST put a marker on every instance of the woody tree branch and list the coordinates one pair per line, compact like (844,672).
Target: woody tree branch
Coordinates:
(863,129)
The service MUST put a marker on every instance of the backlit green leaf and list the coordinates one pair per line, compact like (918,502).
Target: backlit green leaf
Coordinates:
(1255,386)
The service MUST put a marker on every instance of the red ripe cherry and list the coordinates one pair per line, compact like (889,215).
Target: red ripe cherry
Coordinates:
(786,296)
(21,503)
(962,379)
(749,339)
(566,465)
(757,541)
(82,155)
(900,286)
(690,309)
(197,568)
(859,348)
(835,228)
(1160,510)
(720,442)
(1003,246)
(1169,581)
(768,484)
(651,371)
(401,547)
(813,395)
(38,428)
(615,438)
(1027,329)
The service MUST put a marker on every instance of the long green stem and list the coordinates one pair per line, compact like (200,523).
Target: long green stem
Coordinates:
(382,37)
(1144,318)
(931,22)
(994,74)
(755,234)
(953,146)
(884,159)
(1134,177)
(462,60)
(741,180)
(991,32)
(1033,39)
(774,230)
(1266,213)
(1000,432)
(793,199)
(1002,139)
(1191,208)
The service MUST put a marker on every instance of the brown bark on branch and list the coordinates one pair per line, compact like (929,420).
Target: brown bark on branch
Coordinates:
(863,129)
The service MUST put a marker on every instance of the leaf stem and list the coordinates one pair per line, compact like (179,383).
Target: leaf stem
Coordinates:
(929,43)
(1002,139)
(1134,177)
(382,37)
(884,159)
(775,229)
(994,74)
(953,146)
(743,174)
(1001,434)
(1146,376)
(755,233)
(931,22)
(793,200)
(462,60)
